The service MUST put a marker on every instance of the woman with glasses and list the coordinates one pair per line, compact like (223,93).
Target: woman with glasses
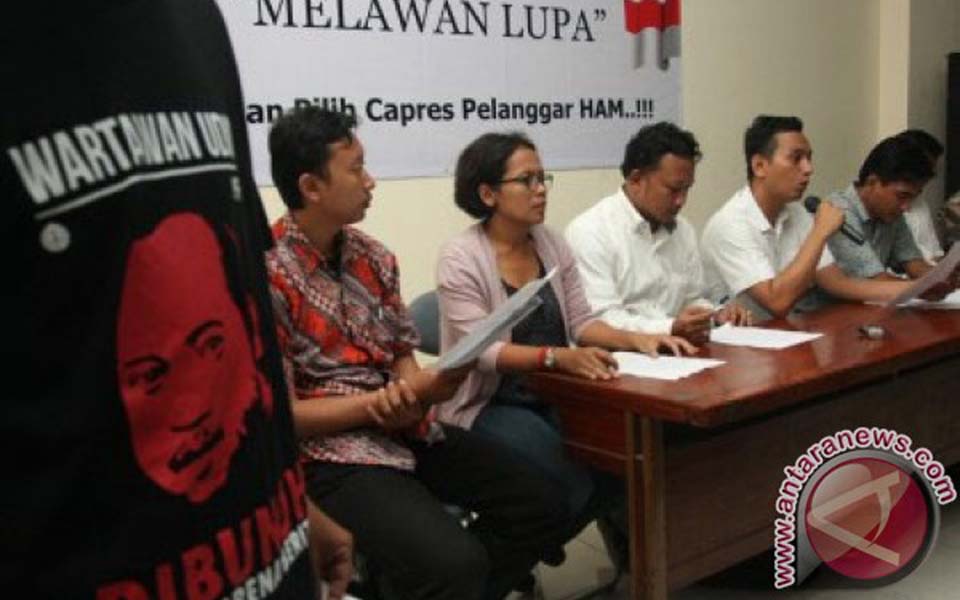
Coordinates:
(500,181)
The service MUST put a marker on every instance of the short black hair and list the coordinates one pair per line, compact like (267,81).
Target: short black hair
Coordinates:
(896,158)
(930,145)
(300,143)
(484,160)
(652,142)
(761,137)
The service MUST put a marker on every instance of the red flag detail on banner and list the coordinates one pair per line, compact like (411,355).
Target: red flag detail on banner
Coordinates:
(641,14)
(671,13)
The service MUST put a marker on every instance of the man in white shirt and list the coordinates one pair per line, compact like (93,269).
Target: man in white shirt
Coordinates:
(762,247)
(918,216)
(637,256)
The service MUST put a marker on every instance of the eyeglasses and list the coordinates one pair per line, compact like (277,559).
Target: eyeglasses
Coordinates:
(531,180)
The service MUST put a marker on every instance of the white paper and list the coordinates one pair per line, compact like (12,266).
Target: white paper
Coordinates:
(669,368)
(949,302)
(760,337)
(939,273)
(519,305)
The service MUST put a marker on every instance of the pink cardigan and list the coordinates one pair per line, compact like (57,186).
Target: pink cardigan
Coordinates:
(469,288)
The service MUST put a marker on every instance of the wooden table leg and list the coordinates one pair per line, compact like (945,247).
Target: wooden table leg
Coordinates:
(634,499)
(646,508)
(654,510)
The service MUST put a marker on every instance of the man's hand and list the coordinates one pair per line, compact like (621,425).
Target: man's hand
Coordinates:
(396,406)
(589,363)
(433,387)
(828,219)
(954,279)
(650,343)
(939,291)
(693,324)
(735,314)
(331,551)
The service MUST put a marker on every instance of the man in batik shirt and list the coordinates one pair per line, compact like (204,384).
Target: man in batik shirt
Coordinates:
(373,457)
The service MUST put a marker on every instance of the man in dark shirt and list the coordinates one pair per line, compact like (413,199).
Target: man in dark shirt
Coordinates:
(149,447)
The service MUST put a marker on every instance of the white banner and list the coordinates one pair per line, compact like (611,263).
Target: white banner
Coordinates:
(425,77)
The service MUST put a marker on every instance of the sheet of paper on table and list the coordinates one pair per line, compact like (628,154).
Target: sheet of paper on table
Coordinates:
(523,302)
(760,337)
(668,368)
(950,302)
(941,272)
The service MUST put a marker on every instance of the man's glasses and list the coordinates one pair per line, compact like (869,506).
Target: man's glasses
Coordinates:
(531,180)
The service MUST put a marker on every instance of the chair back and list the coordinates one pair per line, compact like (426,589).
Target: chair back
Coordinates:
(425,311)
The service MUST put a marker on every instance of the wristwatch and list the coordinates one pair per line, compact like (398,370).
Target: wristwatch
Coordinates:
(549,358)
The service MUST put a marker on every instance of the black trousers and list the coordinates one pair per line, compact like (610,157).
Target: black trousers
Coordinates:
(399,522)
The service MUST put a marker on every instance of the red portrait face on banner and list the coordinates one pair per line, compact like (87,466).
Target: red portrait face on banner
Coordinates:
(186,361)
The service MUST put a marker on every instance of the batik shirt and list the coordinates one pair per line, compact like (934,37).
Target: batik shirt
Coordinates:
(341,324)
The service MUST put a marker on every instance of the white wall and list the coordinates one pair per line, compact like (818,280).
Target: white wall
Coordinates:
(816,59)
(893,66)
(854,70)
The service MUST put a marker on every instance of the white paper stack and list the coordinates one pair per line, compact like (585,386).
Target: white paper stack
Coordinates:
(949,302)
(760,337)
(669,368)
(938,274)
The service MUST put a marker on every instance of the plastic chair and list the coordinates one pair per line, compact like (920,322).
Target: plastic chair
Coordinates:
(425,311)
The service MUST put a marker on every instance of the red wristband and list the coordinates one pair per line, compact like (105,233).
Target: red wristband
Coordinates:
(542,357)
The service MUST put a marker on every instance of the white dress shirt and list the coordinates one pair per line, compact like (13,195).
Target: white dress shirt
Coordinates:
(741,248)
(920,222)
(635,279)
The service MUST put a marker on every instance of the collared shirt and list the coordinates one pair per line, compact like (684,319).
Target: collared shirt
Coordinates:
(740,247)
(635,278)
(887,244)
(341,327)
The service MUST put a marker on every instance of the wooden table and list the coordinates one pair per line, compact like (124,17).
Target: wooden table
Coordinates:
(714,445)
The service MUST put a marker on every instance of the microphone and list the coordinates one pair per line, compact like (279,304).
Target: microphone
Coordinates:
(812,202)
